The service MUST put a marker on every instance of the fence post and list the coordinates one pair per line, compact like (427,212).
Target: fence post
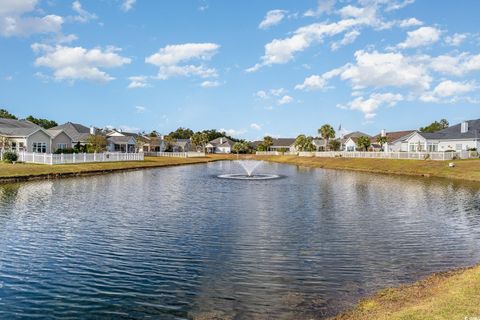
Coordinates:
(95,156)
(45,158)
(62,158)
(73,158)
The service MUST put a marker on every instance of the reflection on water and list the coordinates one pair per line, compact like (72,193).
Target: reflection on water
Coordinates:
(178,243)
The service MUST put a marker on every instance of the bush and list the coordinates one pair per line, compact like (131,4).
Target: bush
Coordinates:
(9,157)
(66,151)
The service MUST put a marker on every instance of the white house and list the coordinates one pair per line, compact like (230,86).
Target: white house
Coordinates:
(23,135)
(349,141)
(220,145)
(460,137)
(396,140)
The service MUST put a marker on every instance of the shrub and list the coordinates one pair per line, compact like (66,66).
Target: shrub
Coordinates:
(9,157)
(66,151)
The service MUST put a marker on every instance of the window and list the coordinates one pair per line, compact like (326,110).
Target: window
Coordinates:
(458,147)
(21,146)
(61,146)
(14,145)
(39,147)
(432,147)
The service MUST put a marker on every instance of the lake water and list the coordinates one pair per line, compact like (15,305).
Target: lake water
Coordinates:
(177,242)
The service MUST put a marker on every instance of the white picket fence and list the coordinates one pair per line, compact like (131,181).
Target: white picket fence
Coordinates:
(275,153)
(176,154)
(394,155)
(49,158)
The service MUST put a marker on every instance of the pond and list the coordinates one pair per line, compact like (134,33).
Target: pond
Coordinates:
(178,242)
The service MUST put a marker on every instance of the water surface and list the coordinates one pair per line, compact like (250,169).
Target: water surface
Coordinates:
(176,243)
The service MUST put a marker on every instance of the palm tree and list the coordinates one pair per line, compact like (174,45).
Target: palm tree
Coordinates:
(363,142)
(326,132)
(267,142)
(382,140)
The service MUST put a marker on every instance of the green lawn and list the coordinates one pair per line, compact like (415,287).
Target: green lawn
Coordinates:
(464,169)
(23,170)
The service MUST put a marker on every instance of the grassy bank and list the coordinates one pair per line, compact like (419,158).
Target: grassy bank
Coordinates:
(463,170)
(445,296)
(23,171)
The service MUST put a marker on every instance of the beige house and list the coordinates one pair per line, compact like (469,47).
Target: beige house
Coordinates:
(23,135)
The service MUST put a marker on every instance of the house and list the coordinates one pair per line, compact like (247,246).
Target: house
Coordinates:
(182,145)
(460,137)
(125,142)
(349,141)
(23,135)
(319,144)
(283,145)
(220,145)
(60,140)
(78,133)
(152,144)
(395,141)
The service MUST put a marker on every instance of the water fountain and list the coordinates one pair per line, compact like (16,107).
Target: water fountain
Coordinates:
(249,166)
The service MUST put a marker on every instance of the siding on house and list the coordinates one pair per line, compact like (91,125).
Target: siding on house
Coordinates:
(38,137)
(61,139)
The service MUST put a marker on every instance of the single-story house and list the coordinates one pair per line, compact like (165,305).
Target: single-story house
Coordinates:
(395,141)
(124,144)
(349,141)
(122,141)
(180,145)
(319,144)
(23,135)
(283,144)
(78,133)
(220,145)
(460,137)
(152,144)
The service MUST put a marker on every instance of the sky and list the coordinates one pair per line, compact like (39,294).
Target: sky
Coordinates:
(250,68)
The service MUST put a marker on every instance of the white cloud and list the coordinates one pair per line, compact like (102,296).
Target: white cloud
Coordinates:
(210,84)
(83,15)
(349,37)
(456,39)
(138,82)
(458,65)
(127,5)
(412,22)
(15,22)
(313,82)
(374,69)
(448,89)
(281,51)
(277,92)
(375,101)
(423,36)
(324,6)
(77,63)
(140,109)
(261,94)
(284,100)
(233,132)
(168,60)
(272,18)
(256,126)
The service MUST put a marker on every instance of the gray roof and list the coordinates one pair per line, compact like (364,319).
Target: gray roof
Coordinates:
(78,132)
(120,139)
(17,128)
(222,142)
(283,142)
(454,132)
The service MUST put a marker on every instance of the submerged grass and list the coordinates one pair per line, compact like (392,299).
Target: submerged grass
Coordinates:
(463,170)
(443,296)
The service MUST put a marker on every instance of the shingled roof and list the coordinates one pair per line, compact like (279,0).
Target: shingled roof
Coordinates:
(78,132)
(17,128)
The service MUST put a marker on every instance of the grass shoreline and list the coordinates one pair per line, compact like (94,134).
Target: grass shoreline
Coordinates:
(466,170)
(21,172)
(448,295)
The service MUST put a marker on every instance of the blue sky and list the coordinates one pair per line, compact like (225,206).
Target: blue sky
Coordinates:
(251,68)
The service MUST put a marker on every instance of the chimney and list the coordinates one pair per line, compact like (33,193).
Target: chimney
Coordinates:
(464,127)
(221,140)
(92,130)
(383,133)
